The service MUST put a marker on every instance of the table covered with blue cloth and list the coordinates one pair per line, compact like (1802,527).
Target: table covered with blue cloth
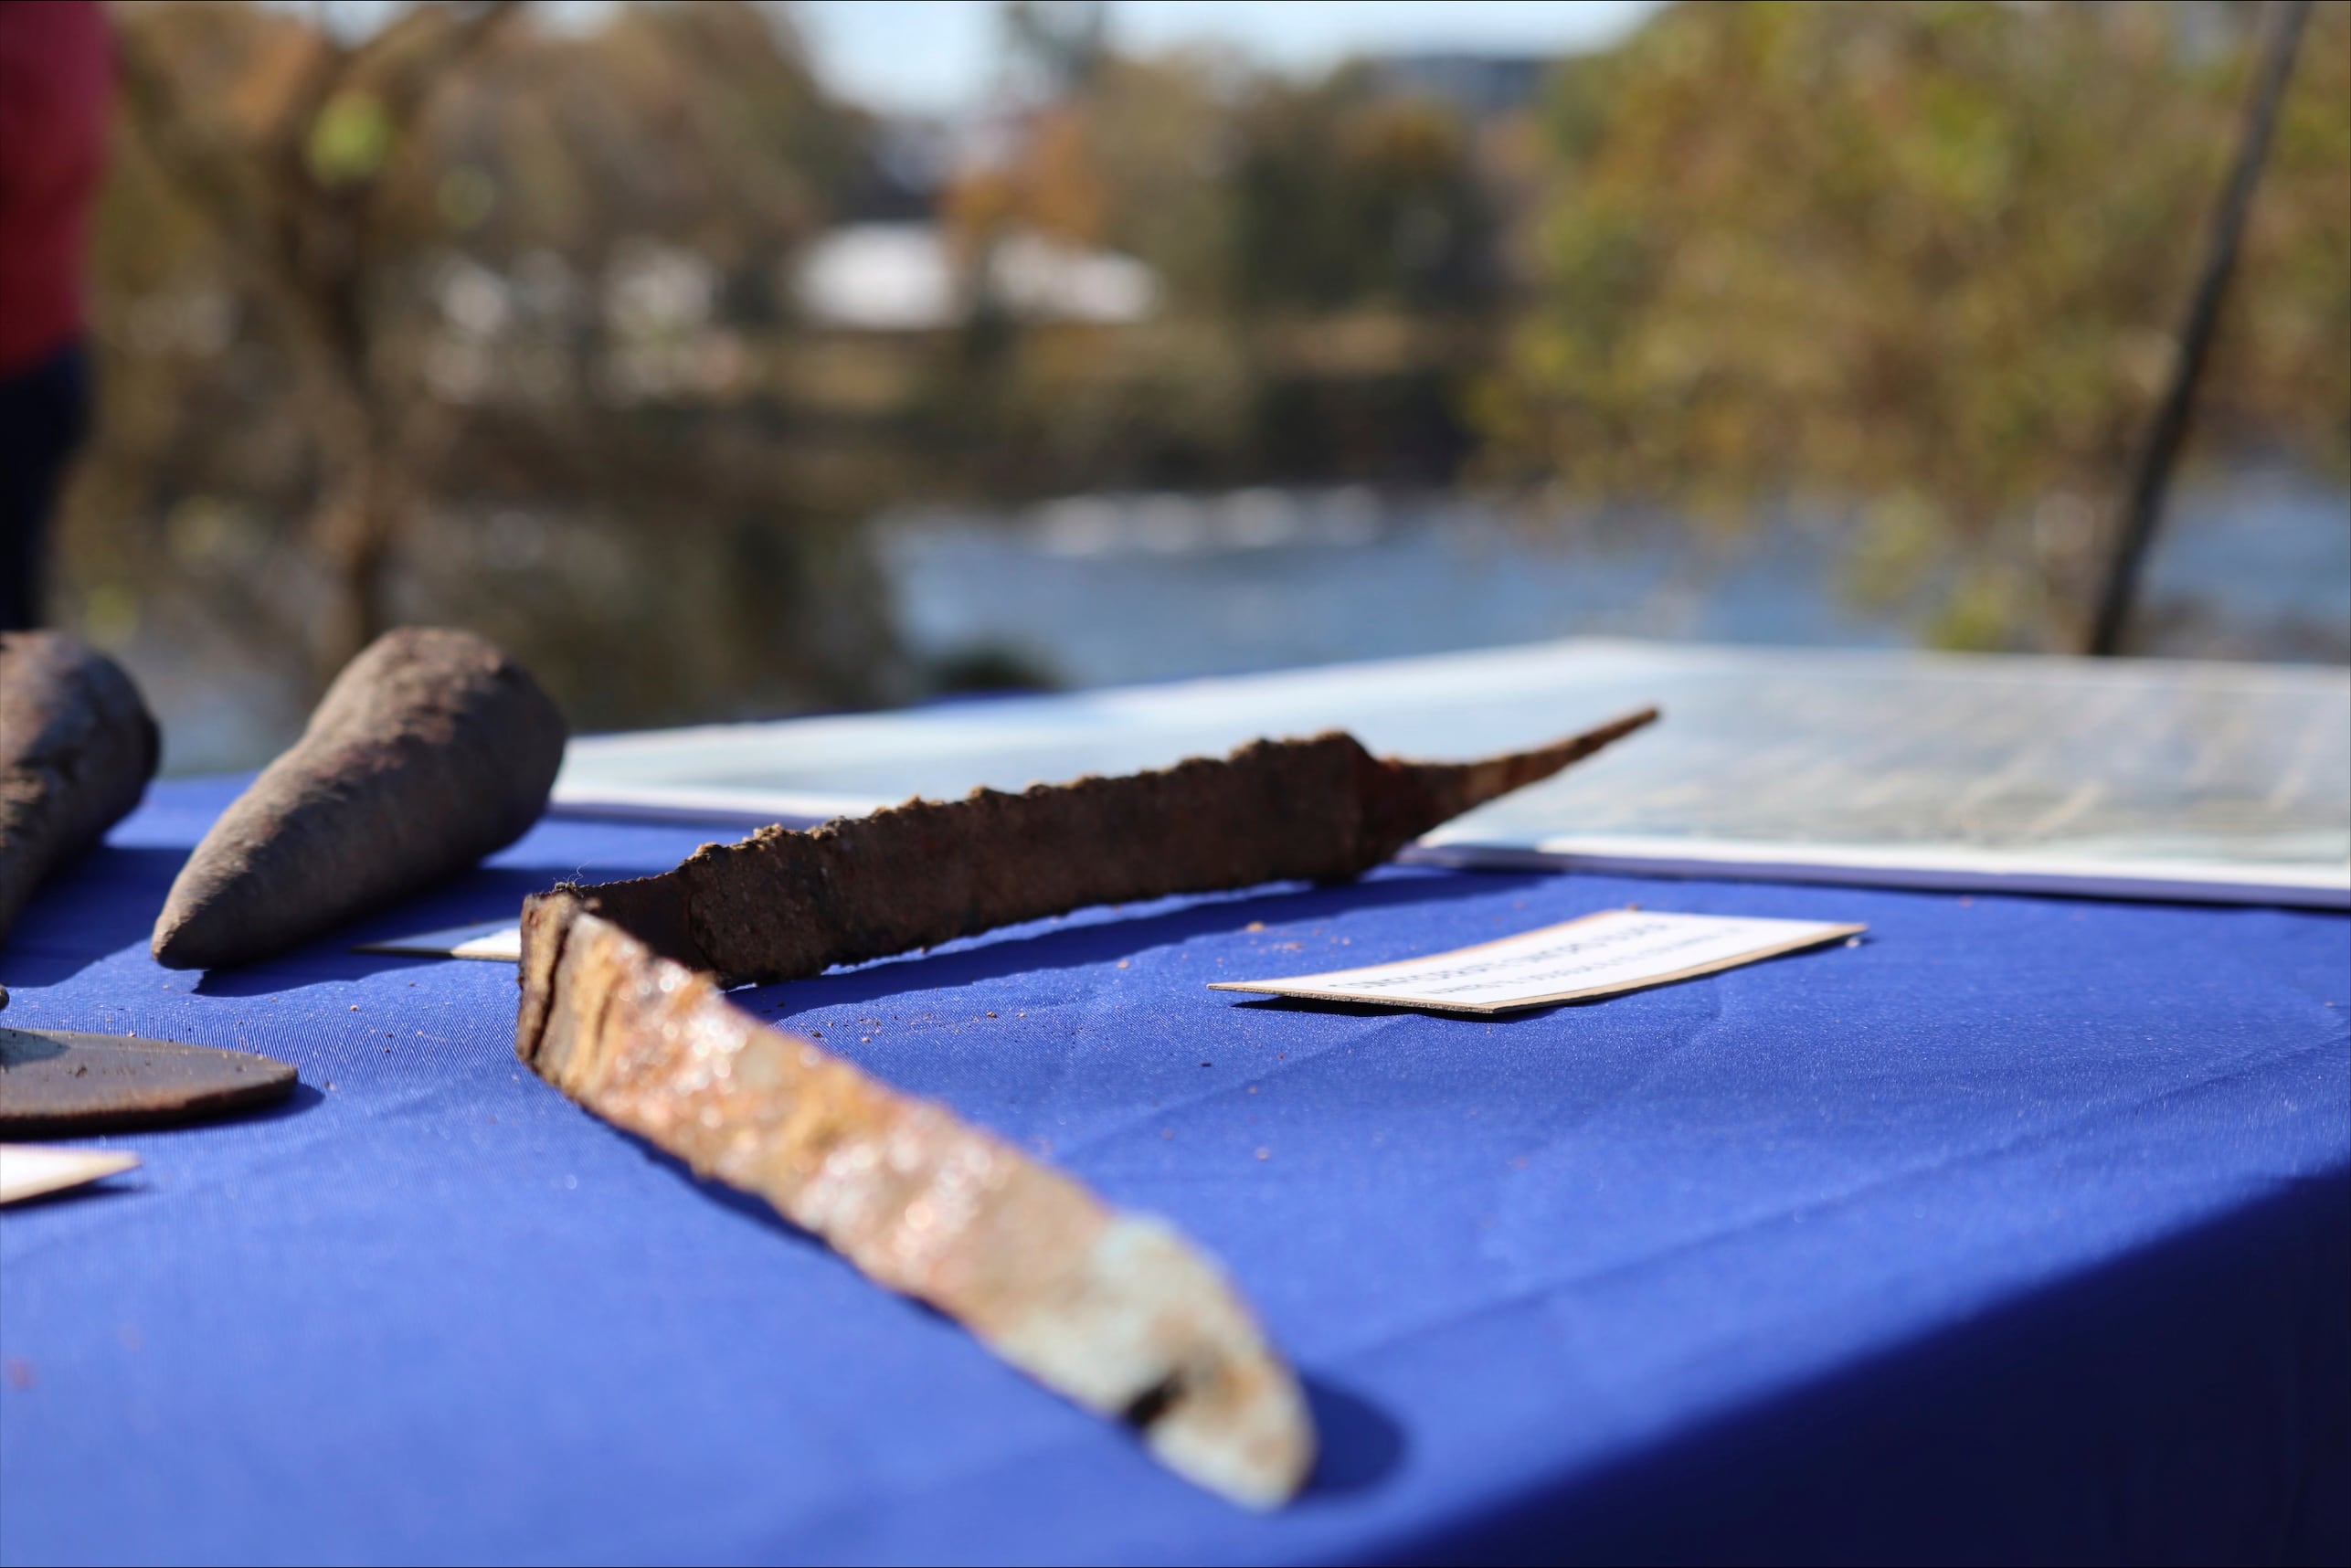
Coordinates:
(2022,1229)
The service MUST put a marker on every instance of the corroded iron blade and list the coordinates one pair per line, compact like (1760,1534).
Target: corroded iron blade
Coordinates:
(61,1081)
(784,905)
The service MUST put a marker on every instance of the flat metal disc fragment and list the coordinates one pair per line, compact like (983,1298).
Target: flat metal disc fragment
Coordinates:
(56,1081)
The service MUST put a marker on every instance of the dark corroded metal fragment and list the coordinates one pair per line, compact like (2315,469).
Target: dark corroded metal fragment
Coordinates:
(77,749)
(56,1082)
(784,905)
(1113,1310)
(430,750)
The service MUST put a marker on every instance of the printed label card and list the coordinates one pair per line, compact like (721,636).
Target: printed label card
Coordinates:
(499,940)
(1599,955)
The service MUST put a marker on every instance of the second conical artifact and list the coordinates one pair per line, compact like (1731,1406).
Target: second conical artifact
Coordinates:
(430,750)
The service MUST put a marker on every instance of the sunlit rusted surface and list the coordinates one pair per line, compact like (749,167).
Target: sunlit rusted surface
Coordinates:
(784,903)
(1117,1312)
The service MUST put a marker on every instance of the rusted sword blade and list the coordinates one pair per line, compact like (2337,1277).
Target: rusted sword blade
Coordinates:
(784,905)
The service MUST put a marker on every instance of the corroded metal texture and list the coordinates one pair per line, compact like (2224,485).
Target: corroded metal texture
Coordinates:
(621,1010)
(59,1083)
(1119,1313)
(77,749)
(432,749)
(784,905)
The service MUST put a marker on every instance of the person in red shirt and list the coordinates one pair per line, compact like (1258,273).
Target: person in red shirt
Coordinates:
(57,88)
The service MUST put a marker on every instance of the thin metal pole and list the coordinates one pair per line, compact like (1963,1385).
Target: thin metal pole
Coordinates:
(2151,473)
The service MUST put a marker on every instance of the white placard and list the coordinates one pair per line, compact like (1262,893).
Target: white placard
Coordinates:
(1599,955)
(35,1170)
(498,940)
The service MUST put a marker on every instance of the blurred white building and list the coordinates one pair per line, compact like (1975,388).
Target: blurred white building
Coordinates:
(906,277)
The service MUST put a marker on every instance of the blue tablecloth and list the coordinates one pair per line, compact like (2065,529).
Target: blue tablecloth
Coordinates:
(2023,1229)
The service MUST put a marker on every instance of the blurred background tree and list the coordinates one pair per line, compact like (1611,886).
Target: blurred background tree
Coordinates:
(501,315)
(301,184)
(1928,259)
(474,320)
(1327,252)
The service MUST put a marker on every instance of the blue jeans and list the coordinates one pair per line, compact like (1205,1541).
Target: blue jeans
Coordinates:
(44,417)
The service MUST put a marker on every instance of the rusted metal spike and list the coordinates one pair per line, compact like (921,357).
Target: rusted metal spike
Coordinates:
(1455,787)
(784,905)
(1119,1313)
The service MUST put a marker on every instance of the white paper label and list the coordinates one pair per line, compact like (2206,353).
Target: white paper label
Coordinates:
(1599,955)
(500,940)
(34,1169)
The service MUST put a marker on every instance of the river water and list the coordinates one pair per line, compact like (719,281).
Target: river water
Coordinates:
(1111,589)
(1099,590)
